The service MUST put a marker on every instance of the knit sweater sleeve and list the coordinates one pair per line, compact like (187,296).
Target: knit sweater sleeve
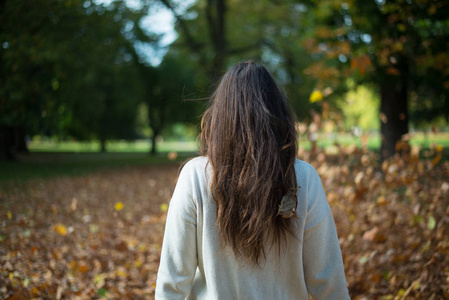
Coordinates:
(179,254)
(323,264)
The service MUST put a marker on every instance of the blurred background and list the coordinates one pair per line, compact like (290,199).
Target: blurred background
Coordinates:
(101,100)
(134,76)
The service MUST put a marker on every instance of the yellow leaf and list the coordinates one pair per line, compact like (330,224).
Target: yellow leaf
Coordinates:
(99,281)
(381,201)
(164,207)
(9,215)
(138,263)
(34,291)
(436,159)
(316,96)
(439,148)
(121,272)
(118,206)
(401,293)
(61,229)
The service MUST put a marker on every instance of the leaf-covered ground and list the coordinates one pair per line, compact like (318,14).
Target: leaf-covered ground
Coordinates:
(99,236)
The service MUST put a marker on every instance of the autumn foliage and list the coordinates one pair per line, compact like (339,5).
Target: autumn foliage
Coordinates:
(99,236)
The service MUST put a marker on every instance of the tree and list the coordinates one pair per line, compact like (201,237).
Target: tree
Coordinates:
(394,45)
(166,88)
(67,69)
(215,34)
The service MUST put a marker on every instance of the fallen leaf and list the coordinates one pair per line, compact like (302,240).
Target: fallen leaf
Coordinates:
(370,235)
(73,204)
(431,223)
(118,206)
(163,207)
(61,229)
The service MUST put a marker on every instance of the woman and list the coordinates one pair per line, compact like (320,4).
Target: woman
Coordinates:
(247,220)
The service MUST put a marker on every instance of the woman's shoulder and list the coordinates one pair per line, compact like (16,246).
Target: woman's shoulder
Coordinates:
(306,173)
(303,167)
(195,163)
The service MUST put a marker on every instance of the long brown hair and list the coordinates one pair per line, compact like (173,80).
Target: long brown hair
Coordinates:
(249,136)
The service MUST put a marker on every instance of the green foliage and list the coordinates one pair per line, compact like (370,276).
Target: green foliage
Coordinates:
(360,107)
(266,31)
(407,39)
(167,90)
(68,68)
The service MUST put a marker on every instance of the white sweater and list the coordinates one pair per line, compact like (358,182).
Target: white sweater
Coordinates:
(193,267)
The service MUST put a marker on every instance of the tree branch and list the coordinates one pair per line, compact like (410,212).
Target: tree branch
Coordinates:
(247,48)
(191,41)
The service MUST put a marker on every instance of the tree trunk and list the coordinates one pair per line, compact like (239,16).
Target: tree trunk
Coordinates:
(156,117)
(153,150)
(7,143)
(215,13)
(220,44)
(394,114)
(102,145)
(20,140)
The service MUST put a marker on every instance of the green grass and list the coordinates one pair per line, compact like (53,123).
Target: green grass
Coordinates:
(139,146)
(70,158)
(49,165)
(426,140)
(374,140)
(143,146)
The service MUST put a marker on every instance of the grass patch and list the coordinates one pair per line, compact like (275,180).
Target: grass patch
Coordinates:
(139,146)
(70,158)
(49,164)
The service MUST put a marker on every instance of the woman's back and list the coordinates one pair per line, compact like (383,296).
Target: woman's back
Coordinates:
(228,232)
(194,265)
